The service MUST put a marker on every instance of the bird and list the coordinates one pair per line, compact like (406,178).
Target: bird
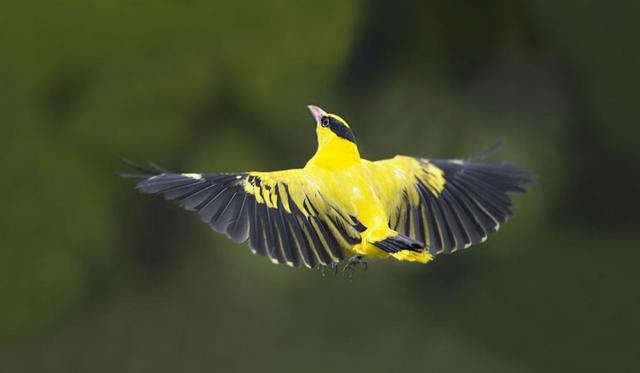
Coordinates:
(342,207)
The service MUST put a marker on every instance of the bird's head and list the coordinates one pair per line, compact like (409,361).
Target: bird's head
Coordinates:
(335,138)
(331,127)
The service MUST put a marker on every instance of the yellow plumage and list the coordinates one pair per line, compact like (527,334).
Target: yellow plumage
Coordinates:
(340,204)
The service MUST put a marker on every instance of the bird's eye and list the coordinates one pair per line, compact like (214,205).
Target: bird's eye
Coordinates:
(324,122)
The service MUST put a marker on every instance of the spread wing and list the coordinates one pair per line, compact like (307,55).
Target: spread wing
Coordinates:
(448,204)
(282,214)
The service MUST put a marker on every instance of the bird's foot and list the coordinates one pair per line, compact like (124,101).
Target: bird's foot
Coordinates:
(350,268)
(333,267)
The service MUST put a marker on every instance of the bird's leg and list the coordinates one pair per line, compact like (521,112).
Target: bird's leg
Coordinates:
(350,268)
(332,266)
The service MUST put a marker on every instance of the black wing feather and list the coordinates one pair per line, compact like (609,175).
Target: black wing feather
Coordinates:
(290,236)
(238,230)
(473,203)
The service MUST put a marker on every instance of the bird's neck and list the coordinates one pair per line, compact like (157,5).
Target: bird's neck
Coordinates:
(335,154)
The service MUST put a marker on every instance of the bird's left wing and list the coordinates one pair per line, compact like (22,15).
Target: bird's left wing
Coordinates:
(447,204)
(283,214)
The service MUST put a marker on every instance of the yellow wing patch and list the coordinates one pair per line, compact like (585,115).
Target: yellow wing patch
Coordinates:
(432,177)
(286,185)
(396,179)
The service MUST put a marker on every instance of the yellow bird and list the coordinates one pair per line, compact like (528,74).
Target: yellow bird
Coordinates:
(341,205)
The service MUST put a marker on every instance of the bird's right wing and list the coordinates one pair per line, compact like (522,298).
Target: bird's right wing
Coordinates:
(283,214)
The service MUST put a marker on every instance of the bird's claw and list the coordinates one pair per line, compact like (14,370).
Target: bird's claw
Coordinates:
(350,268)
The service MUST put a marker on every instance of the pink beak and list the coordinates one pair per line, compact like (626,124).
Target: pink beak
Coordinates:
(316,112)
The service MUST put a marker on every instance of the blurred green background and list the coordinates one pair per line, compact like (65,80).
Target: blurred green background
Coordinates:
(95,277)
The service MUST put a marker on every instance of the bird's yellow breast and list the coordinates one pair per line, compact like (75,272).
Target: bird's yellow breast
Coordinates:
(352,189)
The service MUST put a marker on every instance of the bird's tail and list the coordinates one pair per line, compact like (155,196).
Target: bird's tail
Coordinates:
(402,247)
(399,242)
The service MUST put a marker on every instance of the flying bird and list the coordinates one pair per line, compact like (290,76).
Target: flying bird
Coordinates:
(341,206)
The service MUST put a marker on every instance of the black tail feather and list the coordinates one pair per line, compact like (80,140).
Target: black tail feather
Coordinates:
(399,242)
